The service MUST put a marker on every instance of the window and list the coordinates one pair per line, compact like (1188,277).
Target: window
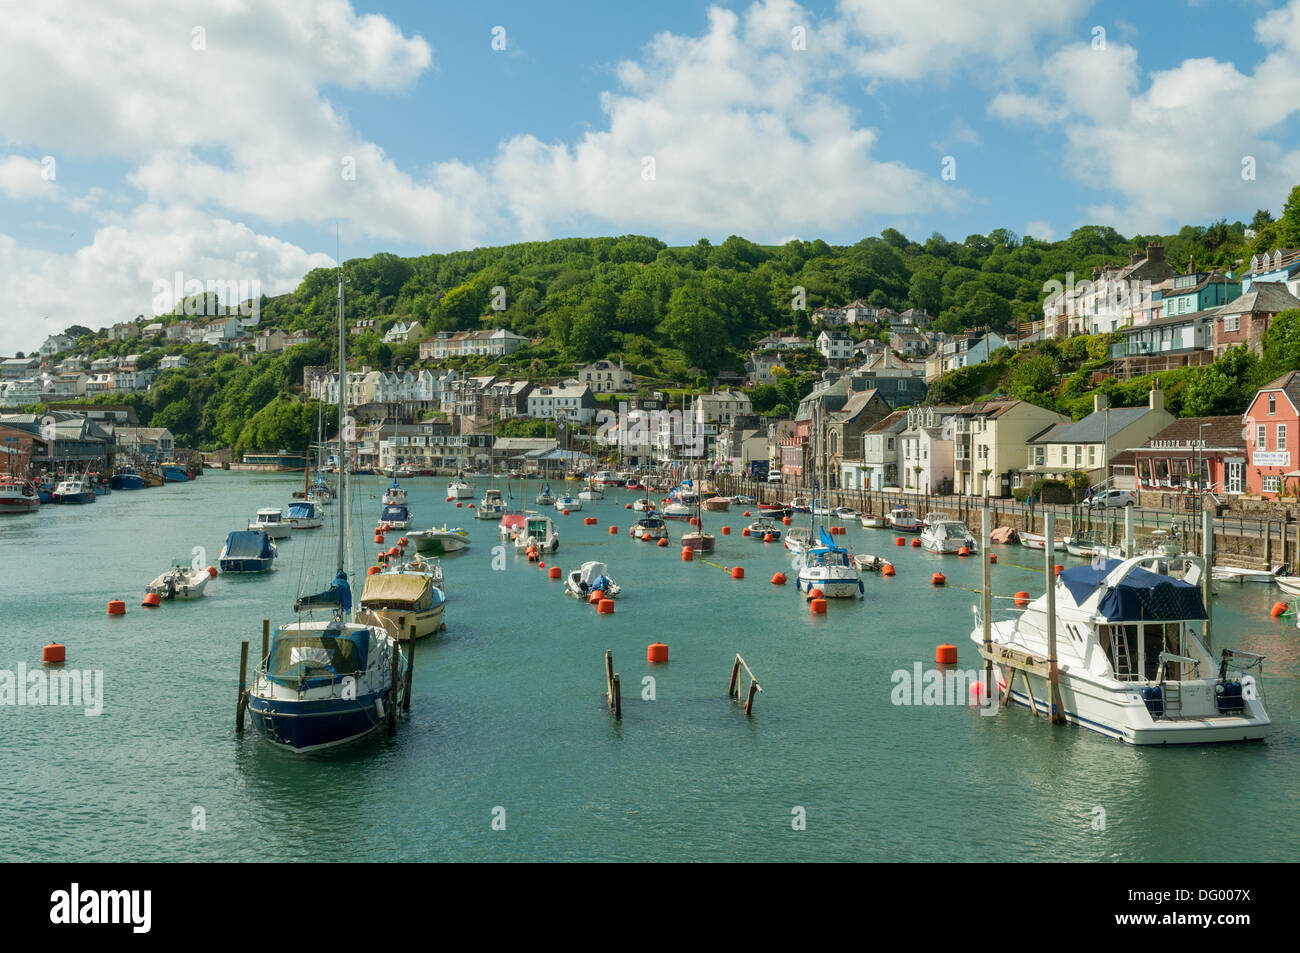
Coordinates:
(1281,437)
(1261,442)
(1092,455)
(1271,484)
(1272,404)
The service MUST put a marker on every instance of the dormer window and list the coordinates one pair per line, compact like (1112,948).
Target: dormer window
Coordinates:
(1272,404)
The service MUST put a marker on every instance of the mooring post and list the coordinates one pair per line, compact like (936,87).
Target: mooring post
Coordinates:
(609,678)
(410,667)
(733,687)
(392,687)
(1207,581)
(617,689)
(1049,549)
(749,699)
(986,609)
(242,701)
(266,640)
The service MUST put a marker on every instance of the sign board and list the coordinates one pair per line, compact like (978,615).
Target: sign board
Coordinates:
(1271,458)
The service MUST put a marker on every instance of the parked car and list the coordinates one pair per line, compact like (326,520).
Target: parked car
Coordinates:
(1112,498)
(774,477)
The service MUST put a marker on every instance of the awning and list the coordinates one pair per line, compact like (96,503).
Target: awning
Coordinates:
(413,589)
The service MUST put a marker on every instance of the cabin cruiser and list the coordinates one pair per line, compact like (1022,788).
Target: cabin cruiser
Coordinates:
(609,478)
(75,489)
(395,516)
(305,514)
(762,528)
(491,507)
(271,522)
(591,578)
(1133,657)
(644,505)
(568,504)
(677,511)
(394,494)
(903,520)
(650,527)
(533,530)
(459,490)
(948,537)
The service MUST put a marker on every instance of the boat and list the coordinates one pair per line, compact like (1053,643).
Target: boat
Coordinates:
(567,503)
(868,563)
(459,490)
(394,494)
(329,681)
(246,551)
(536,531)
(1288,584)
(491,507)
(438,541)
(717,504)
(774,511)
(799,505)
(762,528)
(650,527)
(1133,657)
(175,473)
(644,505)
(609,478)
(828,567)
(873,521)
(180,582)
(798,539)
(407,470)
(403,600)
(17,496)
(272,522)
(1087,545)
(1038,541)
(903,520)
(77,488)
(697,539)
(844,513)
(395,516)
(591,577)
(545,498)
(1237,574)
(321,492)
(305,514)
(126,478)
(743,501)
(591,492)
(946,536)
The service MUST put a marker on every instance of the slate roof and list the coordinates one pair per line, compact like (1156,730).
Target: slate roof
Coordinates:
(1094,427)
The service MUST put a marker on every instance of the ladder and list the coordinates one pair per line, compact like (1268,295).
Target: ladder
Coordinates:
(1173,692)
(1123,664)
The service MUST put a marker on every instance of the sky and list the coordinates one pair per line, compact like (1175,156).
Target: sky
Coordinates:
(234,140)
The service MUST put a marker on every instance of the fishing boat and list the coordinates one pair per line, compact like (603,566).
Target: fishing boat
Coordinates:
(180,582)
(1133,657)
(650,527)
(460,490)
(491,507)
(568,503)
(246,551)
(403,600)
(948,537)
(536,531)
(717,504)
(903,520)
(395,516)
(1237,574)
(545,498)
(394,494)
(271,522)
(873,521)
(17,496)
(591,577)
(439,541)
(77,488)
(329,681)
(762,528)
(126,478)
(305,514)
(175,473)
(644,505)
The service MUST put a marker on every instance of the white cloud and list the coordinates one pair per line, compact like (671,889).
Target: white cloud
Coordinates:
(1043,231)
(24,178)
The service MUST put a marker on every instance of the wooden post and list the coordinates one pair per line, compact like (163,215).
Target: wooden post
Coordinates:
(618,696)
(1268,544)
(1053,696)
(987,608)
(609,678)
(749,700)
(241,703)
(1207,555)
(734,687)
(410,668)
(392,688)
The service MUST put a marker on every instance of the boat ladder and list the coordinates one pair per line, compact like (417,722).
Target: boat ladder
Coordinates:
(1173,696)
(1123,664)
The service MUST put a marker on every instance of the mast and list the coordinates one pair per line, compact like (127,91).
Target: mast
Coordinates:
(343,411)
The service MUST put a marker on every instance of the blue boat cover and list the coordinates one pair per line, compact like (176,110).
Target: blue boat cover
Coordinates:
(338,594)
(829,543)
(248,544)
(396,512)
(300,509)
(1142,595)
(311,659)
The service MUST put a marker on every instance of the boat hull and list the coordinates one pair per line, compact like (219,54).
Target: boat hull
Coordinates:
(127,481)
(831,587)
(304,726)
(424,622)
(439,545)
(85,496)
(245,564)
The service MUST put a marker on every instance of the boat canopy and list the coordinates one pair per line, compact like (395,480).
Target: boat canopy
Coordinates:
(398,590)
(313,658)
(395,512)
(303,509)
(538,525)
(592,576)
(338,594)
(651,522)
(248,544)
(1141,595)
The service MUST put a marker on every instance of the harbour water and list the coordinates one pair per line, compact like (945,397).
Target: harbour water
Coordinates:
(507,710)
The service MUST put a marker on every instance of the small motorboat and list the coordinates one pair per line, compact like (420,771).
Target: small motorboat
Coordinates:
(644,505)
(717,504)
(1038,541)
(650,527)
(545,498)
(305,514)
(873,521)
(395,516)
(591,492)
(762,528)
(570,503)
(460,490)
(591,577)
(743,500)
(677,511)
(799,505)
(246,551)
(844,513)
(868,563)
(774,511)
(272,522)
(1237,574)
(1087,545)
(946,536)
(798,540)
(534,530)
(903,520)
(438,542)
(491,507)
(180,582)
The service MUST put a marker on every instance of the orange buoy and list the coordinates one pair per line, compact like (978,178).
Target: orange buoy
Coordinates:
(372,570)
(627,506)
(613,530)
(565,512)
(656,652)
(54,654)
(460,504)
(778,579)
(726,531)
(737,572)
(1022,599)
(993,557)
(1278,609)
(662,541)
(595,597)
(605,606)
(1060,569)
(403,542)
(379,538)
(964,551)
(887,569)
(746,513)
(938,579)
(449,499)
(471,506)
(899,541)
(694,521)
(767,537)
(212,571)
(745,531)
(385,527)
(554,572)
(394,551)
(816,594)
(152,600)
(946,654)
(785,521)
(817,606)
(687,554)
(915,543)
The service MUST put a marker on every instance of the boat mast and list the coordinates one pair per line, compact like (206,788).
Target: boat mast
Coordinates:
(343,411)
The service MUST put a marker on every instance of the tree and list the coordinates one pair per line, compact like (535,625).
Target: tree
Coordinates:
(925,291)
(1288,226)
(1033,379)
(1262,217)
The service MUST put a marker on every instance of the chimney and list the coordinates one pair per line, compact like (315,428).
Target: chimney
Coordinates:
(1134,258)
(1155,251)
(1099,402)
(1156,399)
(1191,264)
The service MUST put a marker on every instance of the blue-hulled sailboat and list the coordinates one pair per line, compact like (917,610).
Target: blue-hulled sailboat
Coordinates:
(328,678)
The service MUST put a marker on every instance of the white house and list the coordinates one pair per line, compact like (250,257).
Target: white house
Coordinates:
(56,344)
(605,377)
(835,345)
(572,402)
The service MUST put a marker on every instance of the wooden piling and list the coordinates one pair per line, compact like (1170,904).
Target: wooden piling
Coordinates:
(733,687)
(617,688)
(392,687)
(749,699)
(736,679)
(266,640)
(242,702)
(410,668)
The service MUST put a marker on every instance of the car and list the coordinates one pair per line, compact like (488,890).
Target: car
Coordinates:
(1111,498)
(774,478)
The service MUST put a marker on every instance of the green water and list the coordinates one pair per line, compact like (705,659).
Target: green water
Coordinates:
(508,713)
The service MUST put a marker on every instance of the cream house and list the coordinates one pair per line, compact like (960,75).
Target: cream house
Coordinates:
(989,443)
(1086,445)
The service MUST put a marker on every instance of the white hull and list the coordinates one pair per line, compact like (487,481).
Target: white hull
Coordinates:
(1232,574)
(836,585)
(571,505)
(188,585)
(460,491)
(873,522)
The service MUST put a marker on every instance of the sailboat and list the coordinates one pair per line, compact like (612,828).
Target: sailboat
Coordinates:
(329,681)
(826,566)
(698,539)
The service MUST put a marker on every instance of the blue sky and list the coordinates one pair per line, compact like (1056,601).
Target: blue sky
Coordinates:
(212,140)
